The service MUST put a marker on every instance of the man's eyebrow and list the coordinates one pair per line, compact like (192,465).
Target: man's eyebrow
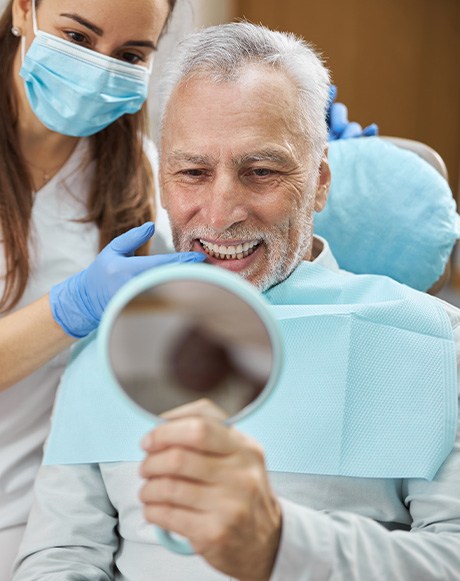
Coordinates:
(184,157)
(273,155)
(84,22)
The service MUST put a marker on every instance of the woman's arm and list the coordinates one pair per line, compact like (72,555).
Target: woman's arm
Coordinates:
(34,334)
(29,338)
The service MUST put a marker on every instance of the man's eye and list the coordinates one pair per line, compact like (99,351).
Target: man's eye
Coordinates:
(194,173)
(262,172)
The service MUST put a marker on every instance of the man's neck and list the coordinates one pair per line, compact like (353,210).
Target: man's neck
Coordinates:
(317,248)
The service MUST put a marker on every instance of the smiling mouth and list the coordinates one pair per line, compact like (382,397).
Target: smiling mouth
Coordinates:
(233,252)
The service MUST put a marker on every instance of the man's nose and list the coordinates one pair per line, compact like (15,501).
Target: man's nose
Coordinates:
(227,203)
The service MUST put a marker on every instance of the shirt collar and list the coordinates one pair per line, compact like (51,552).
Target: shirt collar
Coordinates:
(325,257)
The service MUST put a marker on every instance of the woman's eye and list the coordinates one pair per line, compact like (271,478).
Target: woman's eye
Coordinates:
(77,37)
(131,58)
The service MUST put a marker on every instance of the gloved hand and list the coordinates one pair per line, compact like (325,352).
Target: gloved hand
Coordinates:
(78,302)
(339,126)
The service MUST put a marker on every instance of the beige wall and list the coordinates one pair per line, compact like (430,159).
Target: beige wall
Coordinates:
(208,12)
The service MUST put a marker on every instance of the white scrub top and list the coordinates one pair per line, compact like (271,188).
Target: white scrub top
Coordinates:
(59,247)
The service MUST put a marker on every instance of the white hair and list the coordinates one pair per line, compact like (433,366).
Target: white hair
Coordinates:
(220,53)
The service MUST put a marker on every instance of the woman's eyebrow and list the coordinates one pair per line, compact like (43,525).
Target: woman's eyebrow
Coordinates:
(97,30)
(84,22)
(145,43)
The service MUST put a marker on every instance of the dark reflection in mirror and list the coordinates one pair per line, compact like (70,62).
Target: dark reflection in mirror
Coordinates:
(186,340)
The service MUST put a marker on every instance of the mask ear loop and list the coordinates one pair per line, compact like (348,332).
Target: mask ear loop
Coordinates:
(34,17)
(23,37)
(152,58)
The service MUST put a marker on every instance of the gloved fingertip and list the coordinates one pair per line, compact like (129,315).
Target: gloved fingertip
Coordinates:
(130,241)
(193,257)
(148,226)
(353,129)
(339,117)
(332,93)
(371,130)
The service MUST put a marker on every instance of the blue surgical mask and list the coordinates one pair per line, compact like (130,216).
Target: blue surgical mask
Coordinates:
(76,91)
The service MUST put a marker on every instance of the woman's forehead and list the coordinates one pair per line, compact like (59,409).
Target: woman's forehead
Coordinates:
(135,18)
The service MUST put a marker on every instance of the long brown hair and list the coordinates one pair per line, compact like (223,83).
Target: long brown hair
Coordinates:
(121,194)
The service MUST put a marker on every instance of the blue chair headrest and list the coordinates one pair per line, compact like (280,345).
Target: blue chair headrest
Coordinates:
(389,212)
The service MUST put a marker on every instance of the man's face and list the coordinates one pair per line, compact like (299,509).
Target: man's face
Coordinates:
(237,176)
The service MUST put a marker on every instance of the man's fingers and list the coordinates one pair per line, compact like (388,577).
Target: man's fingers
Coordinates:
(199,433)
(181,462)
(199,407)
(196,496)
(171,518)
(201,528)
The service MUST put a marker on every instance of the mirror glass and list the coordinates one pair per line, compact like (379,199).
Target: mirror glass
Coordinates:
(183,340)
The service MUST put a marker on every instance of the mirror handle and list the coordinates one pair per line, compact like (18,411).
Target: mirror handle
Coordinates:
(174,542)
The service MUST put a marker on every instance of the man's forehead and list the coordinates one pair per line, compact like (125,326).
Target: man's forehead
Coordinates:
(257,89)
(233,120)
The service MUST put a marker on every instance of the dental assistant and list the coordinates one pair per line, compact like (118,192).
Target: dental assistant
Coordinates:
(76,172)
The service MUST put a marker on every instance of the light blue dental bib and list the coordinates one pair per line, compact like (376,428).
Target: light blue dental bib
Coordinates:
(368,386)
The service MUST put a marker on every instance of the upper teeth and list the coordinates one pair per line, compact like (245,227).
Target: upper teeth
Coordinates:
(222,251)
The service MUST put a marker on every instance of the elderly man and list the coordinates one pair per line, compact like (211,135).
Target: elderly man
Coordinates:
(243,168)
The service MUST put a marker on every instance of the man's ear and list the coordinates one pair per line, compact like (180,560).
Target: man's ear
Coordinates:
(21,12)
(324,183)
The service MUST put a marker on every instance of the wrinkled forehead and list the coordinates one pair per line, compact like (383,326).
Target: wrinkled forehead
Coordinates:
(259,106)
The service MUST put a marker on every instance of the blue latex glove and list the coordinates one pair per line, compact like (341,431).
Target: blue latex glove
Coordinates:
(339,126)
(78,302)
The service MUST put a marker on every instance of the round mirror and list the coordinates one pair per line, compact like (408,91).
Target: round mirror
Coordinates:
(184,333)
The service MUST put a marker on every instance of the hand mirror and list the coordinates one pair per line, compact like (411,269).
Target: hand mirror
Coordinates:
(180,333)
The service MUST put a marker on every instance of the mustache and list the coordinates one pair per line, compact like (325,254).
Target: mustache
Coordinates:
(232,233)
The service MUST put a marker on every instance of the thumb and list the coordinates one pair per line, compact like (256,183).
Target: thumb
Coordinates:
(126,244)
(139,264)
